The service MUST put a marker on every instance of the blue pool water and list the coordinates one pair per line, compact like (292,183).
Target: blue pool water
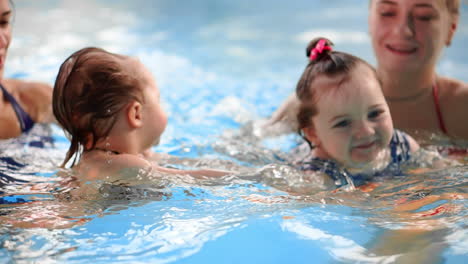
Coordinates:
(220,65)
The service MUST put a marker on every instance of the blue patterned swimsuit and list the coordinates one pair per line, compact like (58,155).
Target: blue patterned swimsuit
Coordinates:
(25,121)
(399,150)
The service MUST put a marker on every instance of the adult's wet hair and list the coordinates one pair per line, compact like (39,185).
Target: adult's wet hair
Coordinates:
(328,63)
(91,88)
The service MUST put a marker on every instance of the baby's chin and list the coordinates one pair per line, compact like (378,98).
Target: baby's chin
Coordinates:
(153,143)
(363,161)
(156,141)
(371,161)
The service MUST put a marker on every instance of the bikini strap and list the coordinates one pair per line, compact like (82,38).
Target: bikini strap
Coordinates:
(25,121)
(435,94)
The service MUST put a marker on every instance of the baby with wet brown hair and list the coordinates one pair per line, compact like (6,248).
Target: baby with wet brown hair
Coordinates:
(108,104)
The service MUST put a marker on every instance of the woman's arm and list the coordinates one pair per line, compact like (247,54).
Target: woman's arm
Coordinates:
(37,99)
(284,119)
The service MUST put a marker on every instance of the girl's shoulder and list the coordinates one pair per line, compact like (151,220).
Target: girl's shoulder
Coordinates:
(401,146)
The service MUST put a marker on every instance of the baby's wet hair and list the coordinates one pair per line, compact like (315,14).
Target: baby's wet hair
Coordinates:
(91,88)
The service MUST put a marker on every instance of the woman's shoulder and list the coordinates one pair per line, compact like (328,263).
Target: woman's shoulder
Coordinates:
(452,88)
(24,87)
(454,103)
(36,97)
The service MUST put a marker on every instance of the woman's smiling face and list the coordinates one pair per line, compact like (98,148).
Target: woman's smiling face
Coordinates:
(410,34)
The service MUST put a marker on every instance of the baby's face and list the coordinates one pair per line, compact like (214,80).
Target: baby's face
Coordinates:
(154,117)
(353,124)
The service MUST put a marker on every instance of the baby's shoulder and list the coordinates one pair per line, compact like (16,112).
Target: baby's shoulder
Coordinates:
(401,146)
(109,166)
(130,161)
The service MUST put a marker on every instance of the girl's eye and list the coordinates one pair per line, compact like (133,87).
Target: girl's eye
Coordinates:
(343,123)
(4,22)
(374,114)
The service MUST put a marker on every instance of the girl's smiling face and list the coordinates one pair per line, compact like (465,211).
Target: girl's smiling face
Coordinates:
(353,124)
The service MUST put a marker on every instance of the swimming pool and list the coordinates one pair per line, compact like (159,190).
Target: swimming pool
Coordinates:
(219,65)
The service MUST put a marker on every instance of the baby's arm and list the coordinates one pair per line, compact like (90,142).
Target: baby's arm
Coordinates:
(201,173)
(133,169)
(221,165)
(159,158)
(413,145)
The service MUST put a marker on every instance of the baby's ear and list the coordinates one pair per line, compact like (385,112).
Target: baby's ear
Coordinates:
(135,114)
(311,135)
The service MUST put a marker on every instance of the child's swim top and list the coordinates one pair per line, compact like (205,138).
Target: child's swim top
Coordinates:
(399,150)
(26,122)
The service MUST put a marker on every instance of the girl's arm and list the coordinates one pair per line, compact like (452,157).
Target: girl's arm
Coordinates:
(413,145)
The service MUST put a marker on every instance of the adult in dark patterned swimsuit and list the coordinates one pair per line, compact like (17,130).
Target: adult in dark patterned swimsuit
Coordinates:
(21,103)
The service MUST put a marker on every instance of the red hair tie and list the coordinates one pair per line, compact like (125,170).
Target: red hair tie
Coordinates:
(319,48)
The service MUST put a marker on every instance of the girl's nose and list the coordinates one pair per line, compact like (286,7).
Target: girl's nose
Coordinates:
(363,130)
